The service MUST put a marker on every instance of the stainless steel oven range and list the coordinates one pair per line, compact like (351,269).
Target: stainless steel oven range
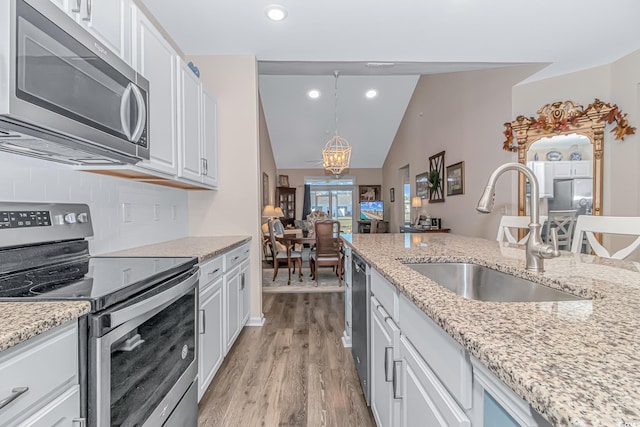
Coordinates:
(138,344)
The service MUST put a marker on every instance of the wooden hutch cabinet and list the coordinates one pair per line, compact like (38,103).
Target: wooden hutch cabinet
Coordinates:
(286,199)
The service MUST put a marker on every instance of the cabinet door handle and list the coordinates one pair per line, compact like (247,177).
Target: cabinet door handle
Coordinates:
(88,16)
(203,316)
(77,8)
(15,393)
(396,374)
(242,281)
(388,370)
(205,166)
(79,422)
(214,271)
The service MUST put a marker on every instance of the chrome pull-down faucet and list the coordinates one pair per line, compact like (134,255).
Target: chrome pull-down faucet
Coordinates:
(536,250)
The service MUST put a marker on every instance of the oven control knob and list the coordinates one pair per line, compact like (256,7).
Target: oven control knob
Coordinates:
(70,218)
(83,217)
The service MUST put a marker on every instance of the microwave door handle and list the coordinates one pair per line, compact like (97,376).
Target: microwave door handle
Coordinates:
(124,111)
(142,114)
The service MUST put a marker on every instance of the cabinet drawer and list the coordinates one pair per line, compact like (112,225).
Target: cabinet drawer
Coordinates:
(443,355)
(385,292)
(210,270)
(30,364)
(61,412)
(236,256)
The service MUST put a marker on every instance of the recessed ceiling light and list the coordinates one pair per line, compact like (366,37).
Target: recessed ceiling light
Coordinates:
(314,93)
(276,12)
(372,93)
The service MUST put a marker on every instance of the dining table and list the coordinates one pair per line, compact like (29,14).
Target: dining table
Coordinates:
(290,240)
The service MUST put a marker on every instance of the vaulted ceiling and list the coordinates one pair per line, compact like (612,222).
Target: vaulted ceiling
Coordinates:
(386,46)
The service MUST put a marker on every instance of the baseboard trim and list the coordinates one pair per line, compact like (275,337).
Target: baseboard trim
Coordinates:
(256,321)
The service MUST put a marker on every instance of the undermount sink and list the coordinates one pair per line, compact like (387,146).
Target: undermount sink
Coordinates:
(480,283)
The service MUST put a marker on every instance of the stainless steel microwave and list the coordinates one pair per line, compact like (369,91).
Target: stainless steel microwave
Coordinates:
(63,95)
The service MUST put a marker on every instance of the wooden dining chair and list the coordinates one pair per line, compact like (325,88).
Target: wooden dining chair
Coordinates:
(327,250)
(564,222)
(588,225)
(508,224)
(280,253)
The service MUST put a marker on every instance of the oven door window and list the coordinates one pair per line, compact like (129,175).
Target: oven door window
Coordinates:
(149,359)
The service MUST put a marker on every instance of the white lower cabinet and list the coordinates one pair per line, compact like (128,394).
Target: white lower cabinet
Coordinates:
(232,283)
(211,342)
(385,402)
(42,395)
(425,401)
(225,288)
(245,292)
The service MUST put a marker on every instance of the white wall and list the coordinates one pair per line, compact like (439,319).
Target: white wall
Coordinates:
(31,180)
(462,114)
(236,207)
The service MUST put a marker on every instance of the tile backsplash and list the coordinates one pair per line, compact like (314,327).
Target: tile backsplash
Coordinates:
(153,213)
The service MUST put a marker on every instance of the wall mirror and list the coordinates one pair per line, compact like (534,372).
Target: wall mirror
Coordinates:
(564,145)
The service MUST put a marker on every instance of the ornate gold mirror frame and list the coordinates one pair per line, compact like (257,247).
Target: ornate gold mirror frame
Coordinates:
(562,118)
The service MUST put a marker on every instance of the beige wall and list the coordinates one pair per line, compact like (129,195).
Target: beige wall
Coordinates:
(235,208)
(267,161)
(462,114)
(361,176)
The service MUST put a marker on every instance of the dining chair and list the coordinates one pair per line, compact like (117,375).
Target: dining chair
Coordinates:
(280,252)
(513,223)
(588,225)
(327,250)
(563,221)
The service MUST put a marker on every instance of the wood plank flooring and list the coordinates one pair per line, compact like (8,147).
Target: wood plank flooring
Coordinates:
(293,371)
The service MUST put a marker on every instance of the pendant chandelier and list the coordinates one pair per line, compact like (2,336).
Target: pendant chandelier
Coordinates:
(336,153)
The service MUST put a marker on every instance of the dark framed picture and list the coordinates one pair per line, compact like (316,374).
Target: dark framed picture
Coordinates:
(455,179)
(283,180)
(422,185)
(436,178)
(369,193)
(392,194)
(265,189)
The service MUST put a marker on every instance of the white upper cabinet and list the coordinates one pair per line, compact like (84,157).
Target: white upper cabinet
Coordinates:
(156,60)
(209,140)
(107,20)
(191,164)
(573,169)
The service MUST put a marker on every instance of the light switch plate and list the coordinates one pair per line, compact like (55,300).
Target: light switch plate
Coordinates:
(156,212)
(126,212)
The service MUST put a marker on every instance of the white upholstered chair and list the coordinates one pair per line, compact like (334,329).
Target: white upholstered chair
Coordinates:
(510,224)
(587,225)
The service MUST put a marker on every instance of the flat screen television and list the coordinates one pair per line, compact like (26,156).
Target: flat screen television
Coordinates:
(372,211)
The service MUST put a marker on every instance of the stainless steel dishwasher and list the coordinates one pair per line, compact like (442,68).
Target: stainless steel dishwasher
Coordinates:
(360,321)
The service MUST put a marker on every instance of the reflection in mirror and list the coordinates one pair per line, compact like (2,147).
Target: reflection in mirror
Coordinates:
(563,165)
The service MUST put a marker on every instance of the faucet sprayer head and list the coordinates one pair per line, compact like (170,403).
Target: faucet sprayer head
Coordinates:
(485,204)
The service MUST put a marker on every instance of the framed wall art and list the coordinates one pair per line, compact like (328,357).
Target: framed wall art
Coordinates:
(455,179)
(369,193)
(436,178)
(283,180)
(422,185)
(392,194)
(265,189)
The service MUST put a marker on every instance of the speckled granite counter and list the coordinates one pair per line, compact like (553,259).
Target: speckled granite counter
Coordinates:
(575,362)
(20,321)
(201,247)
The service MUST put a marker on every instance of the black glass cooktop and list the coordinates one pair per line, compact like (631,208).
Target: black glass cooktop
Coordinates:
(103,281)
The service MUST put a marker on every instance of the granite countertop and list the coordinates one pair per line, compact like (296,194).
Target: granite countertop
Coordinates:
(202,247)
(20,321)
(576,362)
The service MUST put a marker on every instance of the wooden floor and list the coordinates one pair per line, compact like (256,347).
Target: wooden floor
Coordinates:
(293,371)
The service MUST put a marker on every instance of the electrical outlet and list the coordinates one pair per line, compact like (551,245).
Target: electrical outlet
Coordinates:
(156,212)
(126,212)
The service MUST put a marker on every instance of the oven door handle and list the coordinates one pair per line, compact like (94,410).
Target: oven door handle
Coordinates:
(157,301)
